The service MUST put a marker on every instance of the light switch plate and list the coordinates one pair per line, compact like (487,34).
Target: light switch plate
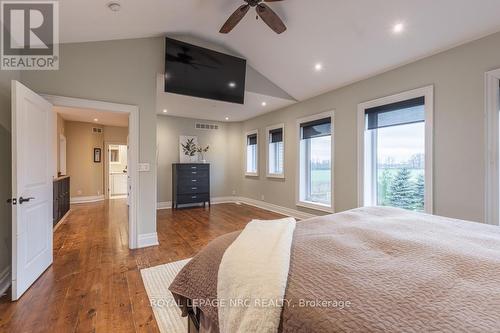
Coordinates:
(144,167)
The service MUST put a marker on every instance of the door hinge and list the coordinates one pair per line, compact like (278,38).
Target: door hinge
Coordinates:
(12,201)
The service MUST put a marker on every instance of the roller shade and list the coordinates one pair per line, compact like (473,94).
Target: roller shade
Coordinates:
(316,128)
(400,113)
(276,135)
(252,140)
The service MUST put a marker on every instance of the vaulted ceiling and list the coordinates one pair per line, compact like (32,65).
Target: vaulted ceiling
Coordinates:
(352,39)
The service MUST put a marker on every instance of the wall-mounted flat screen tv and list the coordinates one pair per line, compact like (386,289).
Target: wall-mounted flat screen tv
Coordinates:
(196,71)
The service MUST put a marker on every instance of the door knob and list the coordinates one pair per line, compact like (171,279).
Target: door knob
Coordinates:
(21,200)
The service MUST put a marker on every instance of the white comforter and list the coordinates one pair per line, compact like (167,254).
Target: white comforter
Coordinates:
(253,276)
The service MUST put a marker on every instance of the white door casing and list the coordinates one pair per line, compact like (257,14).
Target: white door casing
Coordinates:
(32,177)
(62,154)
(492,172)
(133,151)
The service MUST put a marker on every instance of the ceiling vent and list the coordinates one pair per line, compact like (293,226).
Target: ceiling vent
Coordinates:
(208,127)
(96,130)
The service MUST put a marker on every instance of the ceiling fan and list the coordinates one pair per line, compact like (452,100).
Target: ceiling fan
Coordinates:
(264,11)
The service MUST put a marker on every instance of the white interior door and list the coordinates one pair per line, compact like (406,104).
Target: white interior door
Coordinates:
(32,187)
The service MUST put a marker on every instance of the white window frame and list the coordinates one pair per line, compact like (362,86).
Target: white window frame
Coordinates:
(268,130)
(492,181)
(252,174)
(428,93)
(314,205)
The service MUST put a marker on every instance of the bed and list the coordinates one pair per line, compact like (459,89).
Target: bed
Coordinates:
(370,270)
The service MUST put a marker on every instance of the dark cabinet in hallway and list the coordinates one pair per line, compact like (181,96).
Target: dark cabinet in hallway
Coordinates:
(61,198)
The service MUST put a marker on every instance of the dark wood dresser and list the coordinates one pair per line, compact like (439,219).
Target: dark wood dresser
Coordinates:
(61,198)
(190,184)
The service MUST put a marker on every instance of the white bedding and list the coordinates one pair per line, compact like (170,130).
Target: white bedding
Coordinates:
(253,276)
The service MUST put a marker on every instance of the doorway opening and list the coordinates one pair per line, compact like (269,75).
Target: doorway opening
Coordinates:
(44,158)
(106,126)
(116,171)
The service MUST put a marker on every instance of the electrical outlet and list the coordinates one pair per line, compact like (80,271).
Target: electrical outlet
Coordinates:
(234,192)
(79,192)
(262,197)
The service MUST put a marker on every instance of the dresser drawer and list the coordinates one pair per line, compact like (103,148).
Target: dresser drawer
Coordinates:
(192,188)
(193,167)
(192,198)
(193,174)
(193,180)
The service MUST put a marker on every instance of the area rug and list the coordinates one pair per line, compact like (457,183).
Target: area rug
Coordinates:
(156,281)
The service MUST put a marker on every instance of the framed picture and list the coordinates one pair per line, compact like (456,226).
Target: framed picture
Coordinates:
(187,144)
(97,155)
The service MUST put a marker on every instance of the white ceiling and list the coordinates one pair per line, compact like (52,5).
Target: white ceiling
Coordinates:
(352,39)
(104,118)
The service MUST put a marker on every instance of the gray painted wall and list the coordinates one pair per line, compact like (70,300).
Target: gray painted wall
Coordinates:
(5,167)
(114,71)
(223,156)
(125,72)
(459,143)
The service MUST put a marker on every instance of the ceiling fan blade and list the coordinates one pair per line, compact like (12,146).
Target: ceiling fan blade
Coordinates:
(234,19)
(271,18)
(272,0)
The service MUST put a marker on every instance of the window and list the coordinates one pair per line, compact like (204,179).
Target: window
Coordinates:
(315,162)
(114,155)
(252,163)
(396,138)
(275,151)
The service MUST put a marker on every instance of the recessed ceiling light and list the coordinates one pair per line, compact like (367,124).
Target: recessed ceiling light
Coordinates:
(165,110)
(232,84)
(318,67)
(264,104)
(114,6)
(227,118)
(96,120)
(398,28)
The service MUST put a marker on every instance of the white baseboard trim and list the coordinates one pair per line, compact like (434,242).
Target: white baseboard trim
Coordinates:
(164,205)
(62,220)
(214,201)
(78,200)
(121,196)
(252,202)
(276,209)
(147,240)
(5,280)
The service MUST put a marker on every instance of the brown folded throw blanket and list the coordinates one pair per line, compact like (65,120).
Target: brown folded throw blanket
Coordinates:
(374,270)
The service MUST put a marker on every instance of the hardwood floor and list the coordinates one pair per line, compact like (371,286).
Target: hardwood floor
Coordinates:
(95,283)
